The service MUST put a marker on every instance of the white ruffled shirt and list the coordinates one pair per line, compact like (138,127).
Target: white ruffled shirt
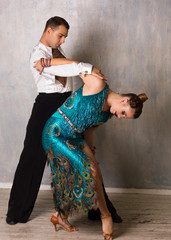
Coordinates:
(46,82)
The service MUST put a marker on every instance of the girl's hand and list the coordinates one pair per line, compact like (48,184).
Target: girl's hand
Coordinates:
(97,73)
(38,66)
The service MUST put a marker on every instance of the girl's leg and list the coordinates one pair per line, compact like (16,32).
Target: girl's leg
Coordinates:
(106,216)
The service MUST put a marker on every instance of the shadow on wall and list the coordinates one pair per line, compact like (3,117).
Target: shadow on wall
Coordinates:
(116,151)
(88,48)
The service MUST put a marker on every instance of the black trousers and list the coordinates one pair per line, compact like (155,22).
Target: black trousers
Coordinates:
(32,161)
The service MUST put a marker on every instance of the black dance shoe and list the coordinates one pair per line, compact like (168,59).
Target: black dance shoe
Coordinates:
(95,215)
(116,218)
(10,221)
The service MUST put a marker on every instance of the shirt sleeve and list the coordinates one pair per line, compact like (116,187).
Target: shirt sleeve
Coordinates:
(36,55)
(69,70)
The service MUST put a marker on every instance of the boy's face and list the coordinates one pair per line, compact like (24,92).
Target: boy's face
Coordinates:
(57,36)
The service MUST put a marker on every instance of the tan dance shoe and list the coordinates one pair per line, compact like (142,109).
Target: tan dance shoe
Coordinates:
(107,236)
(63,222)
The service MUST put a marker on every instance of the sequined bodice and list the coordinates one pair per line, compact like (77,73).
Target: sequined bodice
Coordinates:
(86,111)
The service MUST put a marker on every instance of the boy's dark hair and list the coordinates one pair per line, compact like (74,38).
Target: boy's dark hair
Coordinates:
(55,22)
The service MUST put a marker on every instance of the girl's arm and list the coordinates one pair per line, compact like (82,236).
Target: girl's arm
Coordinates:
(62,61)
(40,64)
(92,84)
(43,62)
(88,136)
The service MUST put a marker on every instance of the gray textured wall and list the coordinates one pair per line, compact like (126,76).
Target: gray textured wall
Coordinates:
(130,41)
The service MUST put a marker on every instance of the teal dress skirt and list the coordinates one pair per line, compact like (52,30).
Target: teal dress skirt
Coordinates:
(73,183)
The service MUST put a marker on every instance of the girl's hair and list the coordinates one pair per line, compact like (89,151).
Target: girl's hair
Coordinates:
(55,22)
(136,102)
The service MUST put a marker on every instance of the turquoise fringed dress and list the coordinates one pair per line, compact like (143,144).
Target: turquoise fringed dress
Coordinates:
(74,186)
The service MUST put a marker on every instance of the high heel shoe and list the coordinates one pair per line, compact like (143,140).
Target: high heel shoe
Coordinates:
(107,236)
(55,220)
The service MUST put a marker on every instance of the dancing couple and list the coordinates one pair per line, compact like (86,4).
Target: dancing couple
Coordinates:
(68,141)
(67,135)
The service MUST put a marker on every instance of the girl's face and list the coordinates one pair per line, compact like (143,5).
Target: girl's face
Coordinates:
(122,109)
